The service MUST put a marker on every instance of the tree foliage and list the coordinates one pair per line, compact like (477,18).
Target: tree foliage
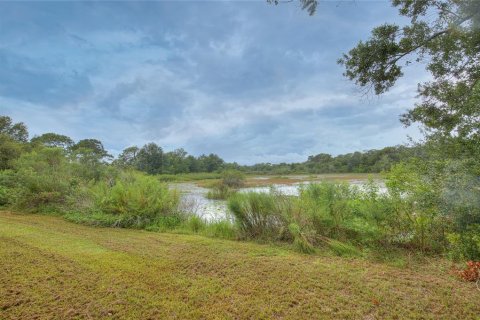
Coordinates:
(53,140)
(16,131)
(445,36)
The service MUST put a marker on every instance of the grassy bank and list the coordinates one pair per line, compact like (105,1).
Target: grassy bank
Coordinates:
(50,268)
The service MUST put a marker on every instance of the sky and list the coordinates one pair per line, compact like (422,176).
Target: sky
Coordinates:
(249,81)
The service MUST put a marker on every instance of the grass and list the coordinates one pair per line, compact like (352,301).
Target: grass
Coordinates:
(254,180)
(186,177)
(51,268)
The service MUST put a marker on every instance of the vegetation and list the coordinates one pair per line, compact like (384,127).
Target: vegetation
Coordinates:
(432,205)
(229,183)
(372,161)
(52,267)
(431,209)
(444,34)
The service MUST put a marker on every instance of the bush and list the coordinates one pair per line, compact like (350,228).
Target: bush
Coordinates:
(465,245)
(43,180)
(137,199)
(233,179)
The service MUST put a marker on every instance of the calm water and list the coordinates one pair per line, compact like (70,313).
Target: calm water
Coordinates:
(194,197)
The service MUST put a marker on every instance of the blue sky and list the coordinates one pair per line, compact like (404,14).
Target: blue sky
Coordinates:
(249,81)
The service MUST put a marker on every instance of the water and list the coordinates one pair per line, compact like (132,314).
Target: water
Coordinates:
(194,198)
(294,189)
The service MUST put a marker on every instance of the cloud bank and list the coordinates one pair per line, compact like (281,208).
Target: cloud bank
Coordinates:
(246,80)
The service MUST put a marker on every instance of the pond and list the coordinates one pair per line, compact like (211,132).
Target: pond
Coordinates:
(194,197)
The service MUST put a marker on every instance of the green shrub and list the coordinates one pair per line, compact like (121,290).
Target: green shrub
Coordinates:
(43,180)
(138,199)
(465,245)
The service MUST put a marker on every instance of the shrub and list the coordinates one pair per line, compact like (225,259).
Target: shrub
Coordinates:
(465,245)
(138,199)
(233,179)
(43,180)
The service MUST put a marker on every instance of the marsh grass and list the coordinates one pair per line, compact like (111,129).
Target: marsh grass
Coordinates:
(185,177)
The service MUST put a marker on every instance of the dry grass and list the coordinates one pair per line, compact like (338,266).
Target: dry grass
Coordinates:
(52,269)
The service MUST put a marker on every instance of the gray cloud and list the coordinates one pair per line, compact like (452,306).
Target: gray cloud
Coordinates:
(248,81)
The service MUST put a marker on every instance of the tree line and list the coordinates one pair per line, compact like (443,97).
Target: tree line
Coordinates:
(152,159)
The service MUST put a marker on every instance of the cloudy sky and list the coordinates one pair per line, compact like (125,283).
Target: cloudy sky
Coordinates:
(249,81)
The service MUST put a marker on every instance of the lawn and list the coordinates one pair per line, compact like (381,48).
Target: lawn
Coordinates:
(53,269)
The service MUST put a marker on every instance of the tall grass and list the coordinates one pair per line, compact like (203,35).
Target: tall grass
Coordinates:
(340,217)
(260,215)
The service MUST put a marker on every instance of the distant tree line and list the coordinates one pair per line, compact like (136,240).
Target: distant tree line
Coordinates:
(370,161)
(152,159)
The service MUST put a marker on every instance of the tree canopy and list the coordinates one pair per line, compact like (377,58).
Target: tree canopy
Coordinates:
(16,131)
(53,140)
(445,36)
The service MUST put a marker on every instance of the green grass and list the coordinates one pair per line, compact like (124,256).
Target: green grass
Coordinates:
(54,269)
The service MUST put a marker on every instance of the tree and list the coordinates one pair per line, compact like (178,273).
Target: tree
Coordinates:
(53,140)
(17,131)
(210,163)
(449,45)
(150,159)
(128,158)
(176,161)
(92,148)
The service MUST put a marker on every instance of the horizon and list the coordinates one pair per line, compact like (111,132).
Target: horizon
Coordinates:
(263,88)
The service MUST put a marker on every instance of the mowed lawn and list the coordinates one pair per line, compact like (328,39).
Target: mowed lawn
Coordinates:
(53,269)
